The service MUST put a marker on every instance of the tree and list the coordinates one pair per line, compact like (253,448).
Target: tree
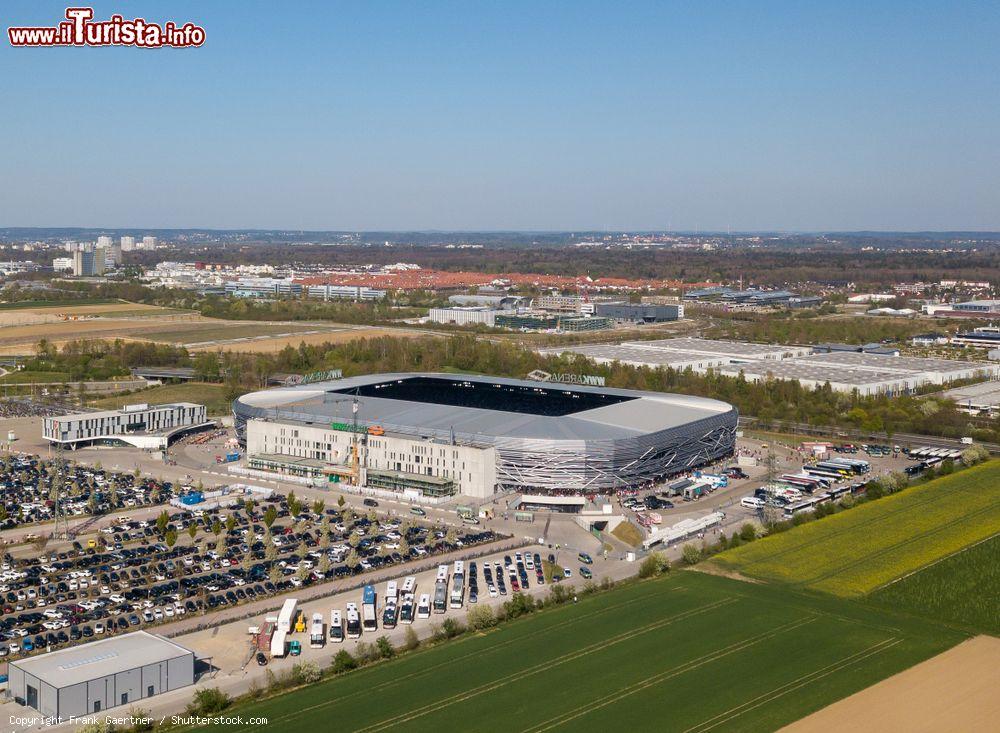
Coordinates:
(341,501)
(748,532)
(352,559)
(274,574)
(162,520)
(170,537)
(318,506)
(324,564)
(270,514)
(384,648)
(230,523)
(192,530)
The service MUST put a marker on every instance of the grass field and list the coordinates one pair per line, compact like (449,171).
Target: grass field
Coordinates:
(962,589)
(204,393)
(27,377)
(629,534)
(690,652)
(854,552)
(71,303)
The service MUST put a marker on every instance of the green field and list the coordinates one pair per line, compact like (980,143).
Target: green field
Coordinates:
(962,589)
(213,396)
(690,652)
(26,377)
(855,552)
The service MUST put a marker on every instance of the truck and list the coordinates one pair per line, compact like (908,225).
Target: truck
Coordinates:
(227,458)
(279,643)
(286,617)
(265,634)
(369,621)
(317,632)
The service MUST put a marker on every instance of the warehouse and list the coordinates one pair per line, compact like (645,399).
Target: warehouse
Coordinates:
(510,433)
(635,355)
(90,678)
(811,375)
(922,370)
(734,350)
(467,315)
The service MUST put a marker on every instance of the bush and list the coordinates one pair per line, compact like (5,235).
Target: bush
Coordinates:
(452,628)
(691,554)
(481,617)
(653,565)
(343,662)
(208,701)
(748,532)
(365,653)
(559,594)
(384,648)
(305,672)
(518,605)
(410,640)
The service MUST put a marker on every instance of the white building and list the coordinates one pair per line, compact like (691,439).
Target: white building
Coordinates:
(391,462)
(465,316)
(61,264)
(350,292)
(104,241)
(141,426)
(128,244)
(148,243)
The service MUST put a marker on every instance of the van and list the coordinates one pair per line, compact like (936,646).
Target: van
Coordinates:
(751,502)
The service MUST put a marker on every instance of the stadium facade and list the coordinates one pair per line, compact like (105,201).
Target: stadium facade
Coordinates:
(537,437)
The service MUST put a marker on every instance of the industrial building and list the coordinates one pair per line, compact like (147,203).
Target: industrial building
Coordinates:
(869,369)
(479,434)
(737,350)
(639,313)
(466,316)
(91,678)
(141,426)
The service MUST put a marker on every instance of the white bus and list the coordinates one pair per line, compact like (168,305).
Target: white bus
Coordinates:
(410,584)
(390,591)
(317,632)
(424,607)
(369,620)
(407,611)
(458,585)
(336,626)
(353,621)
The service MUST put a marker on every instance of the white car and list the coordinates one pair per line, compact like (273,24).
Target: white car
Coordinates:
(493,591)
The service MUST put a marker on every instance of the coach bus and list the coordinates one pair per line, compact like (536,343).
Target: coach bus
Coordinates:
(353,621)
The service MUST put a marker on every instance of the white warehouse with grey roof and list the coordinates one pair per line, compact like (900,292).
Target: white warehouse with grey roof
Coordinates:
(90,678)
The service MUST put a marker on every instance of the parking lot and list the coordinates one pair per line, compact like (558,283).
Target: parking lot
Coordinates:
(146,572)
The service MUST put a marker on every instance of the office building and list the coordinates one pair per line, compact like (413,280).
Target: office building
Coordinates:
(639,313)
(141,426)
(345,292)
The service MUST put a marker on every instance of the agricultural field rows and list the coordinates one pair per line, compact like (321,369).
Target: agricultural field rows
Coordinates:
(962,589)
(854,552)
(638,658)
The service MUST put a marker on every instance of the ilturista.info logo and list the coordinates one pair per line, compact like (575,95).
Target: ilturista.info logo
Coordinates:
(80,29)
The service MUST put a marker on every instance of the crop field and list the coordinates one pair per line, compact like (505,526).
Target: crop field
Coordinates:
(854,552)
(27,377)
(690,652)
(337,335)
(962,589)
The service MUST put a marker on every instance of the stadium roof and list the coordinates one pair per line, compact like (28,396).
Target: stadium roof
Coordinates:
(436,404)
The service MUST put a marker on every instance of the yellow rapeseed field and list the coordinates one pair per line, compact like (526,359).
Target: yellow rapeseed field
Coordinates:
(854,552)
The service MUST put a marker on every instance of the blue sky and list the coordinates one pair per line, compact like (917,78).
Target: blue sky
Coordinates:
(512,115)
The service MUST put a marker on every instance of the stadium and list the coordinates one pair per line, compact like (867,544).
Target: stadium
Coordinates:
(541,437)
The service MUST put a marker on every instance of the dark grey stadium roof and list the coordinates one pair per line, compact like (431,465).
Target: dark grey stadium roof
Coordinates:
(637,413)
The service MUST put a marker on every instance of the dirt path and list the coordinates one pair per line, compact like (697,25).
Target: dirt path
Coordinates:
(958,690)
